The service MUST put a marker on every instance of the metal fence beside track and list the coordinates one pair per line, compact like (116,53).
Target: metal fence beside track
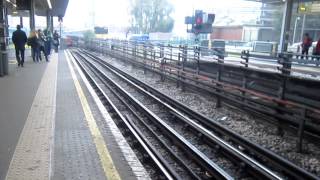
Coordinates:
(290,102)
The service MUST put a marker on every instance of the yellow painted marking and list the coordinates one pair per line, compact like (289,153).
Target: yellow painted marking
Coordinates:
(13,62)
(105,158)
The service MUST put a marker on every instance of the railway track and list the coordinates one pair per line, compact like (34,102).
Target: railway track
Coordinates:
(192,146)
(273,97)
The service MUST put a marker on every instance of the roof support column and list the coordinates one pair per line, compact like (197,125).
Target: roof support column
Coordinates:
(2,26)
(4,64)
(21,21)
(32,21)
(285,30)
(48,19)
(51,24)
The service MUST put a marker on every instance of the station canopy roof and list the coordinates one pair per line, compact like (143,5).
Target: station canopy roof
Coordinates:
(58,7)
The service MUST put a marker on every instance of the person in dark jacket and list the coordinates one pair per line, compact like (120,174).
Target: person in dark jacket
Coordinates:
(19,39)
(306,44)
(56,42)
(34,43)
(317,50)
(42,43)
(48,41)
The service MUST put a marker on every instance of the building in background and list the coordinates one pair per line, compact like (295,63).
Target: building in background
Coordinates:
(233,32)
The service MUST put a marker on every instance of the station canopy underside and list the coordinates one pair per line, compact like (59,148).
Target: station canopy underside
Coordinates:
(41,8)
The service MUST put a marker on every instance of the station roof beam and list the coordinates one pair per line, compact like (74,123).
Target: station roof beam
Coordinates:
(58,8)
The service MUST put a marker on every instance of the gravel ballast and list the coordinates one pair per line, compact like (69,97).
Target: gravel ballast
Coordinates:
(240,122)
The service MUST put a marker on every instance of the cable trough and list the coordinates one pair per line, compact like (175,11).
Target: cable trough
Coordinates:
(186,130)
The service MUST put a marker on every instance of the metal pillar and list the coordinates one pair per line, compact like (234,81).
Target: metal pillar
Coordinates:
(302,28)
(60,27)
(3,29)
(48,20)
(32,21)
(2,26)
(21,21)
(295,30)
(51,24)
(6,26)
(285,30)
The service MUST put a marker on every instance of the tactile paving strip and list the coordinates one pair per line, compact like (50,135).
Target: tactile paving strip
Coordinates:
(75,155)
(31,159)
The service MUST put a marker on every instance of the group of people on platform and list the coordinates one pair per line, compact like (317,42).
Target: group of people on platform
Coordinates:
(39,41)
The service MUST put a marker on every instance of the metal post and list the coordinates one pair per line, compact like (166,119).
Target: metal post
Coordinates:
(303,26)
(2,26)
(295,29)
(144,58)
(218,78)
(60,26)
(6,26)
(300,131)
(285,30)
(48,19)
(21,21)
(4,57)
(32,21)
(184,61)
(51,25)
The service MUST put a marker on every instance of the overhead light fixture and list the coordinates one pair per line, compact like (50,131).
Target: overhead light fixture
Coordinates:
(49,4)
(15,12)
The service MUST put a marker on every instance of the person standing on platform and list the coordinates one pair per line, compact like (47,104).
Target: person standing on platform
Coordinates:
(317,50)
(33,41)
(48,40)
(42,42)
(56,42)
(306,44)
(19,39)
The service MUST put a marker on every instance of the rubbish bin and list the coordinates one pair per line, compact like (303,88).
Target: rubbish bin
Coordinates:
(5,62)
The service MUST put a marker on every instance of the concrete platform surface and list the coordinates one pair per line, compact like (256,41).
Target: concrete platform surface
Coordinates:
(17,91)
(53,126)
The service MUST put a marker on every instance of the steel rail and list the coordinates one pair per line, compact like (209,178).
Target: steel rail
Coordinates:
(197,155)
(134,131)
(159,139)
(289,168)
(228,149)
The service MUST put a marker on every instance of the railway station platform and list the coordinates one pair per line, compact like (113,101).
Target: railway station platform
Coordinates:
(52,126)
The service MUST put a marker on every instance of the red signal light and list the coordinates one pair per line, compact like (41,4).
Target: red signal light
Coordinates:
(199,21)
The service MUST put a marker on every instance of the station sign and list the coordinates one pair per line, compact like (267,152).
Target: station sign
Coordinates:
(309,7)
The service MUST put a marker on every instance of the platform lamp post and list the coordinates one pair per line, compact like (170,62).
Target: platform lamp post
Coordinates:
(295,29)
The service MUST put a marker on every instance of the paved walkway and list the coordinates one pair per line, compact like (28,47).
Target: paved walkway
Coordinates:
(62,130)
(17,91)
(33,152)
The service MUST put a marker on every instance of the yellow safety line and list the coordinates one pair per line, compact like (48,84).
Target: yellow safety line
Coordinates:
(106,161)
(13,62)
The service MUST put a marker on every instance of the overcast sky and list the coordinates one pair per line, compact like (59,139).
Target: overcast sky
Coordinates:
(80,13)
